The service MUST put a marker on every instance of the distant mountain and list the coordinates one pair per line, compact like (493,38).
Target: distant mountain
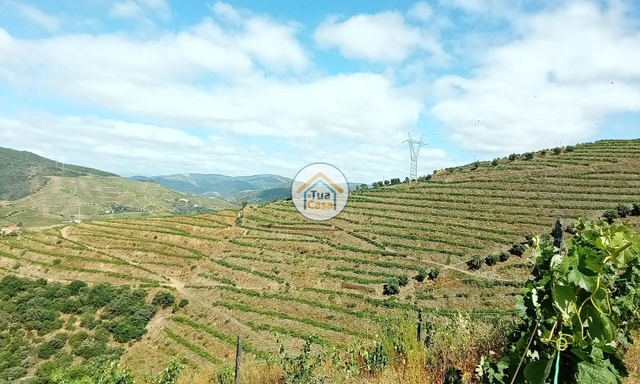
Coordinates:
(221,186)
(23,173)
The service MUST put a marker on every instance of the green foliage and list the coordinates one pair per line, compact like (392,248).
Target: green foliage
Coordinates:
(504,256)
(391,288)
(171,373)
(163,299)
(580,308)
(518,249)
(610,215)
(513,157)
(301,369)
(27,305)
(375,359)
(492,259)
(434,273)
(183,303)
(403,280)
(475,263)
(569,148)
(635,209)
(422,274)
(624,210)
(226,374)
(495,162)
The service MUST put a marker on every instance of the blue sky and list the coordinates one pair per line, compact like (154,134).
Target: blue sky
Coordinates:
(246,87)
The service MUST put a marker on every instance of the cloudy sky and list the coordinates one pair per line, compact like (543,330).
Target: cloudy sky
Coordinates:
(245,87)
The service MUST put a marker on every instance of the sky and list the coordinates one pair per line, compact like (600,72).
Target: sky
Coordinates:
(154,87)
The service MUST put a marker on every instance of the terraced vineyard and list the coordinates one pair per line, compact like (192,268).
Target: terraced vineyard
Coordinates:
(266,272)
(63,199)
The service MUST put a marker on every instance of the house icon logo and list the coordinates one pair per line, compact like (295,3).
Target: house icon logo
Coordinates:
(319,191)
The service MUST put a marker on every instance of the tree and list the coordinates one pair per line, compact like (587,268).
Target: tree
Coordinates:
(492,260)
(475,263)
(557,150)
(517,249)
(635,210)
(391,288)
(610,215)
(624,210)
(163,299)
(364,187)
(513,157)
(528,155)
(495,162)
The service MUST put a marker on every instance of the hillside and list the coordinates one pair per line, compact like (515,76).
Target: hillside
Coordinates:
(216,185)
(267,273)
(23,173)
(63,199)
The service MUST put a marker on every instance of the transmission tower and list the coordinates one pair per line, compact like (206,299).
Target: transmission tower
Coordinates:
(414,148)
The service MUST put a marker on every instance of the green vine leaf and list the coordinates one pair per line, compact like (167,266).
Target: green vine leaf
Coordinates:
(592,374)
(538,371)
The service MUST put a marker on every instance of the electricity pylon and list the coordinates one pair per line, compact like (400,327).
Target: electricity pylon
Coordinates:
(414,149)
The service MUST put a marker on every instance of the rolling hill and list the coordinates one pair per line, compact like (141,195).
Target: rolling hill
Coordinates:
(36,191)
(268,274)
(220,186)
(23,173)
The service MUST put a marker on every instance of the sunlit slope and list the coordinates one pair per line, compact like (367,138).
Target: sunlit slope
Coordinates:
(88,197)
(269,271)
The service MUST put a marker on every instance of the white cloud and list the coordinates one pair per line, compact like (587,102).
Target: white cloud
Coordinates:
(226,11)
(382,37)
(552,84)
(126,10)
(134,9)
(421,11)
(36,16)
(130,148)
(270,42)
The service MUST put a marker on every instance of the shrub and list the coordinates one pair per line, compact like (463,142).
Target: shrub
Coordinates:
(403,280)
(623,210)
(475,263)
(504,256)
(492,260)
(76,285)
(163,299)
(433,274)
(495,162)
(517,249)
(226,374)
(391,288)
(610,215)
(513,157)
(557,150)
(569,148)
(528,155)
(183,303)
(422,274)
(635,210)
